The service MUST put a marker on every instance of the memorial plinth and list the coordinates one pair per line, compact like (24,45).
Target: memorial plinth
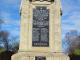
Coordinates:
(40,34)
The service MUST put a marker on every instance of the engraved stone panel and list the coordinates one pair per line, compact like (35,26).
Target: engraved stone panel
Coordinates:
(40,30)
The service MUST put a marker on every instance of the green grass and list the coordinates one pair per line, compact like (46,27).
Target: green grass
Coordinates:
(77,52)
(2,50)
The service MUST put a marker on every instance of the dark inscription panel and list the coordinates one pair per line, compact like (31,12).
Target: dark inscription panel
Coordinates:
(40,58)
(40,31)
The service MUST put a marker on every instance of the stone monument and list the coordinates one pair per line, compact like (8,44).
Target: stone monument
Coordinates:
(40,34)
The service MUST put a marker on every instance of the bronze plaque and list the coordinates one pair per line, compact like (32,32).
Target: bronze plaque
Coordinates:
(40,30)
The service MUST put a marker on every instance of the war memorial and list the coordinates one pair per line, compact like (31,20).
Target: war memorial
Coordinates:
(40,31)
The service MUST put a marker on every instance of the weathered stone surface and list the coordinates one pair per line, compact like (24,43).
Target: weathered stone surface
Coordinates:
(32,55)
(51,52)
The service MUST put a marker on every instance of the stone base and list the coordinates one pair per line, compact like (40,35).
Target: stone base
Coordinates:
(32,55)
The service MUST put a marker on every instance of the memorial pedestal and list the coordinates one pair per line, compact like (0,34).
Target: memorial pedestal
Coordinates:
(44,56)
(40,34)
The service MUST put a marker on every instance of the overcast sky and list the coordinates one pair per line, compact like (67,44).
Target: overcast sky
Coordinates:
(9,12)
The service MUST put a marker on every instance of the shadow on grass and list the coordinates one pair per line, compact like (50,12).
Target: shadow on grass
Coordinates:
(74,57)
(6,55)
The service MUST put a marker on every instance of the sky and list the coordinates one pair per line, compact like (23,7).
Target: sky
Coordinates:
(71,15)
(9,13)
(70,18)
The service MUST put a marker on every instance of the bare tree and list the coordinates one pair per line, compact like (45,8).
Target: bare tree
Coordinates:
(72,39)
(14,46)
(4,38)
(1,22)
